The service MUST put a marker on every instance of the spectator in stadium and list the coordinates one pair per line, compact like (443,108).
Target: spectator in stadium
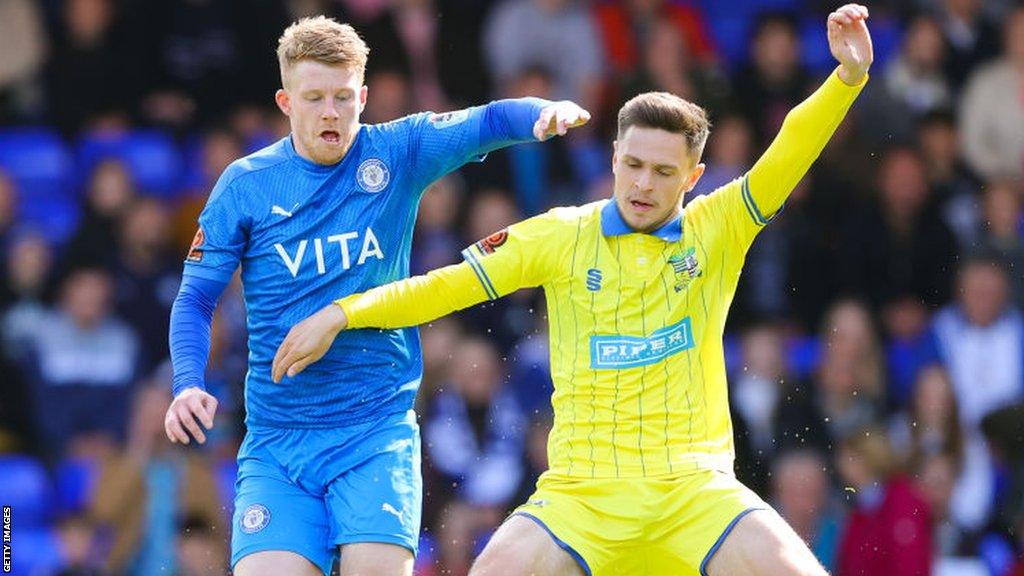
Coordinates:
(25,46)
(29,267)
(109,193)
(971,37)
(520,33)
(931,426)
(392,97)
(474,435)
(1003,214)
(435,241)
(91,79)
(146,492)
(146,278)
(220,147)
(935,478)
(992,111)
(847,391)
(668,65)
(979,339)
(889,528)
(954,185)
(801,494)
(729,154)
(756,391)
(774,80)
(81,369)
(913,83)
(899,246)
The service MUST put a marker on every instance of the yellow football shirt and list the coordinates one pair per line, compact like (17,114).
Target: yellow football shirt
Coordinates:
(635,320)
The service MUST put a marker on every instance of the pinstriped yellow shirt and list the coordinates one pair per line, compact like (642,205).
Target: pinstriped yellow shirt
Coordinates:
(635,320)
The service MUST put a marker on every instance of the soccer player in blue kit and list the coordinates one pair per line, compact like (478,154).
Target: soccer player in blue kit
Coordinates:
(331,460)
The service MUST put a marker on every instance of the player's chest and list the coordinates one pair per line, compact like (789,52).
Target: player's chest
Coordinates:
(622,275)
(336,228)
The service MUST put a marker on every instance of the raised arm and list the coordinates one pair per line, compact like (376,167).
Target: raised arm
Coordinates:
(408,302)
(809,126)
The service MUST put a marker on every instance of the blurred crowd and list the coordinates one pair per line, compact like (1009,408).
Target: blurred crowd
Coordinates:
(875,345)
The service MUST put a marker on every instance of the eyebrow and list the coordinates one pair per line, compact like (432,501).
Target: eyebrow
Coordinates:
(656,166)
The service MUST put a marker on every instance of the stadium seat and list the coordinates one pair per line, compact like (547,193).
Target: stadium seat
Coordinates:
(75,480)
(27,488)
(36,551)
(151,156)
(38,162)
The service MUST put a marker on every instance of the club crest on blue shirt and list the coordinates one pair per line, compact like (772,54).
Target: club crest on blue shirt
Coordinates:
(686,268)
(448,118)
(372,175)
(255,518)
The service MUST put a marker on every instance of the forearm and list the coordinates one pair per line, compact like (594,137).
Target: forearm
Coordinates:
(415,300)
(508,122)
(191,317)
(804,133)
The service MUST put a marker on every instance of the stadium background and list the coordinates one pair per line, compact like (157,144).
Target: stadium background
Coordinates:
(875,346)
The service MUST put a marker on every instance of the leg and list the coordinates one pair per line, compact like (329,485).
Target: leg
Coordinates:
(522,547)
(277,528)
(275,562)
(762,544)
(373,559)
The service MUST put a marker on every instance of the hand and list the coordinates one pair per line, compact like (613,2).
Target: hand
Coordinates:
(850,42)
(558,118)
(188,409)
(308,341)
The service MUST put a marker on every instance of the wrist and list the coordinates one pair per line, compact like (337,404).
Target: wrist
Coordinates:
(338,318)
(851,76)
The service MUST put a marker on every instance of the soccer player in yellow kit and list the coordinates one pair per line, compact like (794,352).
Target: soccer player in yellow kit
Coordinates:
(641,454)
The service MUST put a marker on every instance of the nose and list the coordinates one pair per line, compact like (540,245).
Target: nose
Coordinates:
(329,111)
(643,181)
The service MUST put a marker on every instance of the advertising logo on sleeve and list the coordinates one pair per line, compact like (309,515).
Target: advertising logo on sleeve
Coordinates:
(493,242)
(373,175)
(448,119)
(195,253)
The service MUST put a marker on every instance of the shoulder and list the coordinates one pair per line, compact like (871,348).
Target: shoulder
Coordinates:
(245,169)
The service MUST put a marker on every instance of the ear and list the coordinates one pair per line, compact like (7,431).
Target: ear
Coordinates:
(691,181)
(362,98)
(283,101)
(615,155)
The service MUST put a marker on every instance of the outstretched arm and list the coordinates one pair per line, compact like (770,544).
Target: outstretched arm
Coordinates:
(810,125)
(408,302)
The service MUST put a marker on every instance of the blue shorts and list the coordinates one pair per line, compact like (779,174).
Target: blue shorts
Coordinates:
(309,491)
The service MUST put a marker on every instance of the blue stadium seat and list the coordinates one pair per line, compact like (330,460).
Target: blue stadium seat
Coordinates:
(36,552)
(27,488)
(226,471)
(75,480)
(54,219)
(151,156)
(38,162)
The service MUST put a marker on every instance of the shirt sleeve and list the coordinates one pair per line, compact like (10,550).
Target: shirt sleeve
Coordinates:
(191,317)
(220,241)
(750,202)
(521,256)
(443,142)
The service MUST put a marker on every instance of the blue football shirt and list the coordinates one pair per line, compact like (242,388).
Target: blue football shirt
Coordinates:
(305,234)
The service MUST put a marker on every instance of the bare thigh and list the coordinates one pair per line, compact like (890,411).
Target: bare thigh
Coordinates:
(375,559)
(521,547)
(274,563)
(762,544)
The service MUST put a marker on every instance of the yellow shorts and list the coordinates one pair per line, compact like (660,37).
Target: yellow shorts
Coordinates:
(641,526)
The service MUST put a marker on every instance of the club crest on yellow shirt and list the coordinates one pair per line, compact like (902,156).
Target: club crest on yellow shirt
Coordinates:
(686,268)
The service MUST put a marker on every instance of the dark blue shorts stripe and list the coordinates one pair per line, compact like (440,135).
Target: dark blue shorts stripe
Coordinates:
(721,539)
(575,555)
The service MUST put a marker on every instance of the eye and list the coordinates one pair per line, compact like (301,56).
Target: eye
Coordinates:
(665,172)
(313,98)
(345,97)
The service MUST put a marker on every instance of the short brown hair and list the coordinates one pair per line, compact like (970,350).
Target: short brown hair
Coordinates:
(324,40)
(667,112)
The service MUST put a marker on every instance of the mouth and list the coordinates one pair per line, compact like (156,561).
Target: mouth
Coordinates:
(641,206)
(331,137)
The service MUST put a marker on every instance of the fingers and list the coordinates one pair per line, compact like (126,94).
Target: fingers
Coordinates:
(848,14)
(557,119)
(173,428)
(187,417)
(540,128)
(299,366)
(207,411)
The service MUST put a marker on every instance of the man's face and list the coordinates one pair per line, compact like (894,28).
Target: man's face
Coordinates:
(323,104)
(653,170)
